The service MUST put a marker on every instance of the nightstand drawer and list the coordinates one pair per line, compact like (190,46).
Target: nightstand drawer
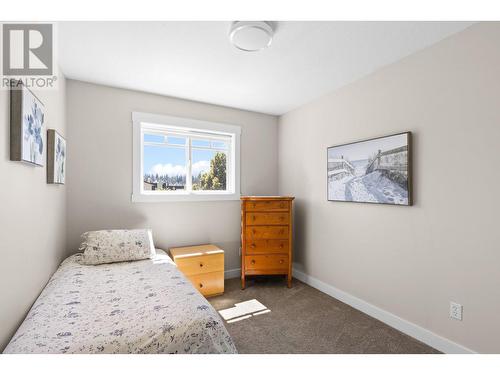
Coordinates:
(267,218)
(209,284)
(193,265)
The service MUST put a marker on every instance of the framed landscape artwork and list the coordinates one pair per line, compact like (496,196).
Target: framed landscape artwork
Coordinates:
(56,158)
(27,125)
(372,171)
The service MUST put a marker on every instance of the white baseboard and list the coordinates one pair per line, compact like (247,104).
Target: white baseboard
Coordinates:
(430,338)
(231,274)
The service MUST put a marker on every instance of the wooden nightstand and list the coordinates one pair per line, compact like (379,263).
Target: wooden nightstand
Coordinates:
(203,265)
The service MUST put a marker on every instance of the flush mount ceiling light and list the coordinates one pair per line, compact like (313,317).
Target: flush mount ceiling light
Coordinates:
(251,36)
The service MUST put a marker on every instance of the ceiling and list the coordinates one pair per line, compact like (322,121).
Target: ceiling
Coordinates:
(194,60)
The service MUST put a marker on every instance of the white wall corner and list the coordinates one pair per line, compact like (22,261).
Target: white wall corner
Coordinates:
(430,338)
(232,274)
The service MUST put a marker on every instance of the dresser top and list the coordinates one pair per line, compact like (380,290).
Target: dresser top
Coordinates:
(194,251)
(266,198)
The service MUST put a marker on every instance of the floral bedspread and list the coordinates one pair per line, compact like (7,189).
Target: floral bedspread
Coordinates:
(145,306)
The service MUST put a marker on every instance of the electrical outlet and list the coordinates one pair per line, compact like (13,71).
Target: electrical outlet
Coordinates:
(456,310)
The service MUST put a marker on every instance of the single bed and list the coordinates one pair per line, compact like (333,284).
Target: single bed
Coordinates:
(145,306)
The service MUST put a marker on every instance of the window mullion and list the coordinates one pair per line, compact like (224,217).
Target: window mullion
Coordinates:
(189,178)
(229,168)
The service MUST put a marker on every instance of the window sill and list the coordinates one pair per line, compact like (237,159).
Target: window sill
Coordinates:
(184,197)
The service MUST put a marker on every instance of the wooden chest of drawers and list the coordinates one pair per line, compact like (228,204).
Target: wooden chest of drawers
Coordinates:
(266,237)
(203,265)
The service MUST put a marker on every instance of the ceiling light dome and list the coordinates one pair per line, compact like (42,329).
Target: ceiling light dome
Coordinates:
(251,36)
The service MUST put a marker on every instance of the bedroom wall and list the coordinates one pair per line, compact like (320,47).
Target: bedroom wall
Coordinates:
(32,219)
(410,261)
(99,179)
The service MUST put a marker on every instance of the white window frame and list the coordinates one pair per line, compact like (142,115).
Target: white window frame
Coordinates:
(141,120)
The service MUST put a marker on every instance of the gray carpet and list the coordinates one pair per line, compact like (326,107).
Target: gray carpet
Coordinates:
(305,320)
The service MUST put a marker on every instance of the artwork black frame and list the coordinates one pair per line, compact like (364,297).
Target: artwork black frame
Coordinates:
(17,90)
(409,169)
(52,136)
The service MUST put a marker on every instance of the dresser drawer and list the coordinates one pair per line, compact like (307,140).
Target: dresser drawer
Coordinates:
(192,265)
(267,206)
(267,247)
(208,284)
(264,232)
(255,264)
(267,218)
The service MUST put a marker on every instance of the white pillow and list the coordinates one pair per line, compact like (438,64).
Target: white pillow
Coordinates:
(110,246)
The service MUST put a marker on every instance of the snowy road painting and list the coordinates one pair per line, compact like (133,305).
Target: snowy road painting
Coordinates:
(374,171)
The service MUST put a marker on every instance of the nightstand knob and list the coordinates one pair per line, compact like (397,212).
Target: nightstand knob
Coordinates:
(281,261)
(201,285)
(253,261)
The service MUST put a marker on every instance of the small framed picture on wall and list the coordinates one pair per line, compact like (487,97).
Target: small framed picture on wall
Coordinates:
(56,158)
(27,125)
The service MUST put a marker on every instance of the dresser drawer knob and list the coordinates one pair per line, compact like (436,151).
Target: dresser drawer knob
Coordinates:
(201,264)
(201,285)
(281,261)
(253,261)
(281,245)
(252,246)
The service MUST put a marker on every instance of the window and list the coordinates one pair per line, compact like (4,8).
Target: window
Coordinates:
(177,159)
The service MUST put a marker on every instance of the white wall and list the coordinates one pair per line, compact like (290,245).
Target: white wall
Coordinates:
(32,219)
(411,261)
(99,179)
